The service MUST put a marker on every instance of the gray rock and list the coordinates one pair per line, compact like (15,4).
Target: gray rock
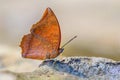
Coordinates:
(73,68)
(87,67)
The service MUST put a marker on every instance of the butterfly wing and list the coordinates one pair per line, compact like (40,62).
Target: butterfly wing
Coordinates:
(44,40)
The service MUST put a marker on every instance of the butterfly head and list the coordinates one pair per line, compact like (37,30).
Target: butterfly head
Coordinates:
(61,50)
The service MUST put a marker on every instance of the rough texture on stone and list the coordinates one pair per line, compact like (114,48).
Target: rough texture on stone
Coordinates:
(87,67)
(74,68)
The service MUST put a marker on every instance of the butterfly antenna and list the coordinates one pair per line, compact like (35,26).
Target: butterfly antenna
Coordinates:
(68,42)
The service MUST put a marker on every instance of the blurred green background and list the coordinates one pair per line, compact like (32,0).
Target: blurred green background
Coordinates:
(95,22)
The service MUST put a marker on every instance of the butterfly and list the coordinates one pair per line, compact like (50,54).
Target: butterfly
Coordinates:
(43,41)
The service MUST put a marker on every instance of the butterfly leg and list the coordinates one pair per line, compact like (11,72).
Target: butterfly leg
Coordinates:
(55,60)
(47,56)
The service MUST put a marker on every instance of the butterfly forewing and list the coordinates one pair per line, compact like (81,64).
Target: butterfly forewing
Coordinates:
(44,40)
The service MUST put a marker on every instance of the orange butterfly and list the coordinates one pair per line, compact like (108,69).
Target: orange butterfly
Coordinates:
(44,40)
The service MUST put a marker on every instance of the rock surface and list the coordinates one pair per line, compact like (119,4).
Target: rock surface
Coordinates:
(74,68)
